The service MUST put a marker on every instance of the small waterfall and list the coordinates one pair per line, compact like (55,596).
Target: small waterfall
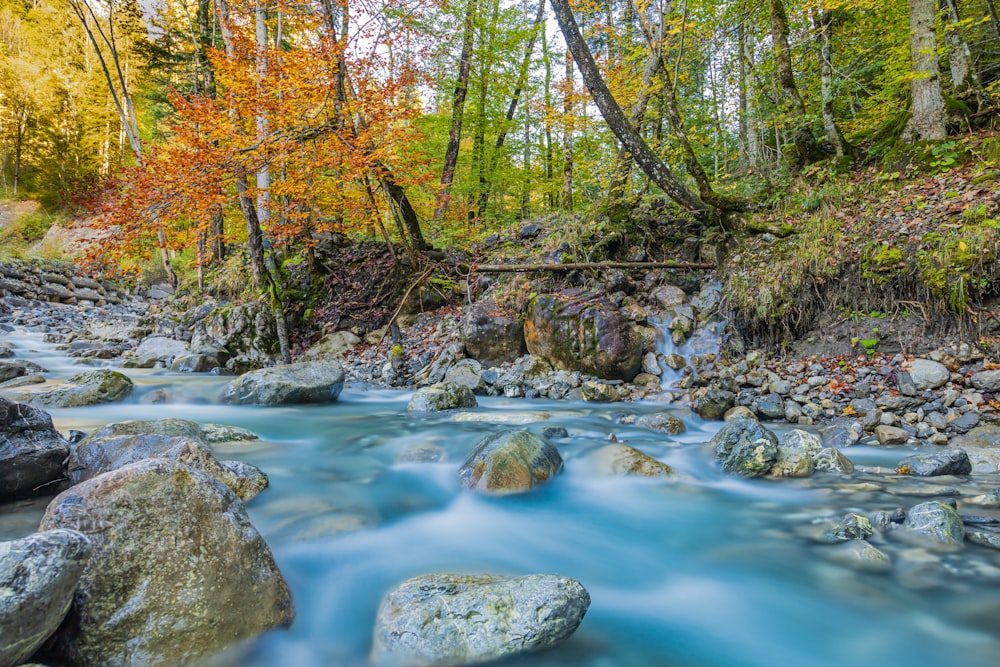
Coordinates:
(706,327)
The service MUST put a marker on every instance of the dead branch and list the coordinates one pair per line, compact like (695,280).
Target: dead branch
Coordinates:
(574,266)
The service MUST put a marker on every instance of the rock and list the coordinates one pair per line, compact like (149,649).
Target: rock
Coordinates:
(510,462)
(491,335)
(214,434)
(650,364)
(247,331)
(965,423)
(194,363)
(18,368)
(797,450)
(842,432)
(669,296)
(177,571)
(738,411)
(891,435)
(554,432)
(937,523)
(310,382)
(90,388)
(38,575)
(166,427)
(713,403)
(770,406)
(442,396)
(621,460)
(468,373)
(576,330)
(983,536)
(662,422)
(31,450)
(160,348)
(331,346)
(832,460)
(596,391)
(987,381)
(952,461)
(460,619)
(745,447)
(95,456)
(675,361)
(926,374)
(853,526)
(6,350)
(860,555)
(979,437)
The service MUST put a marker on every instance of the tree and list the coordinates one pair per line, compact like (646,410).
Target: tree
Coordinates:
(926,103)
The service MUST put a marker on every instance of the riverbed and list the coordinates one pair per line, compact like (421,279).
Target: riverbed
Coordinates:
(705,570)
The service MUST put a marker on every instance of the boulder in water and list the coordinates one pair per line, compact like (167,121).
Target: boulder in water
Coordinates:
(311,382)
(510,462)
(177,571)
(95,456)
(38,575)
(31,450)
(442,396)
(952,461)
(90,388)
(935,523)
(662,422)
(713,402)
(618,460)
(797,451)
(460,619)
(745,447)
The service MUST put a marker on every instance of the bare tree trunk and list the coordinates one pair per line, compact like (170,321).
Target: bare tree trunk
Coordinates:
(994,19)
(926,103)
(805,148)
(650,164)
(567,170)
(833,135)
(549,151)
(123,103)
(457,111)
(216,226)
(963,76)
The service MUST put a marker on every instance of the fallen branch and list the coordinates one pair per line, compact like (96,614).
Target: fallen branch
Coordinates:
(574,266)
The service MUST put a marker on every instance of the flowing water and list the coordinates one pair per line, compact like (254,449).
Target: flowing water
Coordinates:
(709,572)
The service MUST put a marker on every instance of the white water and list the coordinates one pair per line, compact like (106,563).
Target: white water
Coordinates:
(708,573)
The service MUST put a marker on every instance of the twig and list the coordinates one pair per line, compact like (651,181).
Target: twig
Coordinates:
(403,301)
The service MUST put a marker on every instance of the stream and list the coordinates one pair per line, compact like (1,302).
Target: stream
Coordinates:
(711,571)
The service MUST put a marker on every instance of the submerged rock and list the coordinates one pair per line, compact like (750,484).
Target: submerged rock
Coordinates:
(458,619)
(31,450)
(745,447)
(662,422)
(38,575)
(510,462)
(442,396)
(860,555)
(622,460)
(312,382)
(177,571)
(935,522)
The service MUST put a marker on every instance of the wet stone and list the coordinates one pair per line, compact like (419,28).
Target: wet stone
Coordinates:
(948,462)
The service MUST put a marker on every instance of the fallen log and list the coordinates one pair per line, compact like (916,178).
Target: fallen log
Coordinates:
(574,266)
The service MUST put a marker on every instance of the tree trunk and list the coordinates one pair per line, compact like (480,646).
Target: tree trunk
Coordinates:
(457,111)
(926,103)
(549,151)
(804,149)
(613,115)
(749,106)
(216,225)
(567,170)
(994,19)
(963,76)
(833,135)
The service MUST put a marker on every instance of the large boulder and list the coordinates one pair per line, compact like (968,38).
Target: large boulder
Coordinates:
(31,450)
(160,348)
(171,426)
(745,447)
(510,462)
(460,619)
(797,451)
(311,382)
(89,388)
(18,368)
(442,396)
(581,331)
(247,331)
(177,571)
(38,576)
(491,335)
(96,456)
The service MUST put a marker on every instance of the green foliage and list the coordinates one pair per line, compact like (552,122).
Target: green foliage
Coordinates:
(953,263)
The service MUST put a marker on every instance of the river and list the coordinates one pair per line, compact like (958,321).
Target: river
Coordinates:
(713,571)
